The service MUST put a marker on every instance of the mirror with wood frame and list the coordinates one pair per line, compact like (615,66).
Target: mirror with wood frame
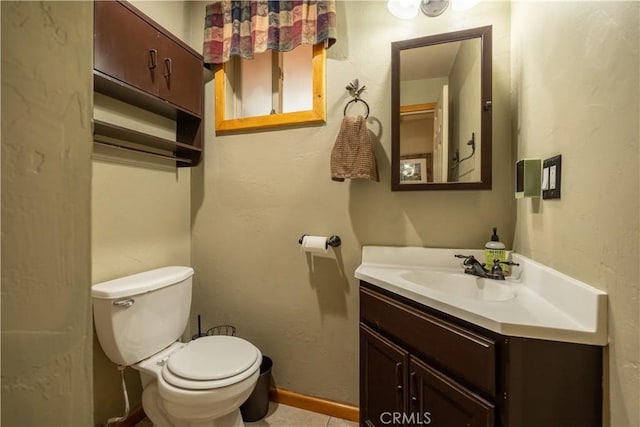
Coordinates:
(441,112)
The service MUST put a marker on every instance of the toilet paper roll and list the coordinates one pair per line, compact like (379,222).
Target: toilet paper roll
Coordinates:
(314,245)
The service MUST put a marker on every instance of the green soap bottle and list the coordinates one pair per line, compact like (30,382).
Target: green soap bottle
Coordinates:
(494,249)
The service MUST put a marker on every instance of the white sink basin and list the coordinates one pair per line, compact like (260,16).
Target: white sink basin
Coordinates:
(534,302)
(463,285)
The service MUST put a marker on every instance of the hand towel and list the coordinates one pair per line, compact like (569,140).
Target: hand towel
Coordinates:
(352,155)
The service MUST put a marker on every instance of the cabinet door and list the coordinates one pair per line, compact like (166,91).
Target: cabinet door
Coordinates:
(383,374)
(181,76)
(125,46)
(438,401)
(464,354)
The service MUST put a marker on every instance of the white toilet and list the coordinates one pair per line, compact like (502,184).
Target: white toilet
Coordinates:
(138,321)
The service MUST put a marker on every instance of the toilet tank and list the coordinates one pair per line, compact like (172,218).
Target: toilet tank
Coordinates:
(136,316)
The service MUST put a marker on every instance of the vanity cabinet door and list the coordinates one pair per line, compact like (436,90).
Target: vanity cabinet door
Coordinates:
(437,400)
(383,379)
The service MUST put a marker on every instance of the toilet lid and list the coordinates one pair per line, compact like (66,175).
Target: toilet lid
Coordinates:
(213,358)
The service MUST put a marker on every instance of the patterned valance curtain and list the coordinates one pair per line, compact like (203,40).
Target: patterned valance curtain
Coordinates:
(245,27)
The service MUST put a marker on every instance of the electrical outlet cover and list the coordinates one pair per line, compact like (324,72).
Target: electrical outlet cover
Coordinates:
(554,164)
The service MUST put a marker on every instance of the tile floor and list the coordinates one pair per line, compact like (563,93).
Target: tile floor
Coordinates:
(280,415)
(287,416)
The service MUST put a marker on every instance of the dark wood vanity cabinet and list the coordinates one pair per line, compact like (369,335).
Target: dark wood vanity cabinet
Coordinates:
(424,367)
(397,387)
(383,376)
(139,62)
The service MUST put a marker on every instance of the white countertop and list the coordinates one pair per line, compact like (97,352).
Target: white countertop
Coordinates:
(547,304)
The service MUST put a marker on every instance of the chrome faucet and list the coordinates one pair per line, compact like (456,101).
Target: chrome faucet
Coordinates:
(472,265)
(475,267)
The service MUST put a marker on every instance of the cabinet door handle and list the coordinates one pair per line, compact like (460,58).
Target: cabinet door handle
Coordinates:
(412,389)
(399,376)
(153,54)
(167,69)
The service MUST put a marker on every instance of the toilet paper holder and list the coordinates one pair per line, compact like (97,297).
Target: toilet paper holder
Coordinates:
(333,241)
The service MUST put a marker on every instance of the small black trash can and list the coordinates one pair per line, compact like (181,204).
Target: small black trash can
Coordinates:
(257,405)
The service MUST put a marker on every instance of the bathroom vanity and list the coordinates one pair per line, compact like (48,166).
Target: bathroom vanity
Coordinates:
(427,358)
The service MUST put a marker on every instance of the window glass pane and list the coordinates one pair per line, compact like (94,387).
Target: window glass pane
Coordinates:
(256,85)
(298,79)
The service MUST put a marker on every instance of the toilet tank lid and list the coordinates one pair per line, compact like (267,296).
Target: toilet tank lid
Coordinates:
(141,283)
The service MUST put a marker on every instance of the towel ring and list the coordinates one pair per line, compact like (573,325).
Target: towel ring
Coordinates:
(356,100)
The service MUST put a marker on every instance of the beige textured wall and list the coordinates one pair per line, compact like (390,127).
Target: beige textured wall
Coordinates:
(257,193)
(140,213)
(46,174)
(172,15)
(576,93)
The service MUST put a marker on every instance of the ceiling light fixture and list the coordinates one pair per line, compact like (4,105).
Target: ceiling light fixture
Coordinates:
(404,9)
(408,9)
(433,7)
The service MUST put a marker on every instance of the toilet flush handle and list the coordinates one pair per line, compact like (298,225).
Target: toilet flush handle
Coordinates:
(124,302)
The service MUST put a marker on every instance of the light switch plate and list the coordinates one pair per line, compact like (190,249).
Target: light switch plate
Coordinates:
(545,178)
(554,167)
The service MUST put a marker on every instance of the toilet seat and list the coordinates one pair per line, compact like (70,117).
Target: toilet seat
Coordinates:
(211,362)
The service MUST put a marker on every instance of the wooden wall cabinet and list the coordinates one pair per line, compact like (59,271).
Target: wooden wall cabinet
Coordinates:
(433,369)
(139,62)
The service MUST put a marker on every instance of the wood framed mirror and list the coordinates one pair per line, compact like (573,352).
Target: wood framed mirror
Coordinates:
(441,112)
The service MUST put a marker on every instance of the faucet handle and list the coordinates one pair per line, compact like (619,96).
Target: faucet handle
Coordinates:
(498,262)
(497,270)
(469,260)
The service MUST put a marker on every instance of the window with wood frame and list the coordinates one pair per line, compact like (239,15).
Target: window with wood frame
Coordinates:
(275,89)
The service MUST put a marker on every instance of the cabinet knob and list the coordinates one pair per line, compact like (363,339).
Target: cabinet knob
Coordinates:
(399,375)
(167,70)
(153,55)
(412,388)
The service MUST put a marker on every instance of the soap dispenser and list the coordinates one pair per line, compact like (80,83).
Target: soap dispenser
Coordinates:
(494,249)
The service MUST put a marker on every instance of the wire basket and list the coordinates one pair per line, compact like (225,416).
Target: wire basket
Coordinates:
(222,330)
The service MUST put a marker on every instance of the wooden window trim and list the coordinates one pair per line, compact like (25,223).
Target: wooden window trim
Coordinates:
(315,116)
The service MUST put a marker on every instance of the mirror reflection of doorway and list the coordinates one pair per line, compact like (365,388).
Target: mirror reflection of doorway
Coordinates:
(417,134)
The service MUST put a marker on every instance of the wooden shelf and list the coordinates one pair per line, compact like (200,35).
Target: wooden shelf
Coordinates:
(109,134)
(107,85)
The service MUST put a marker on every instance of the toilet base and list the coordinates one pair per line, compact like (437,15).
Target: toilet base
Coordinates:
(160,418)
